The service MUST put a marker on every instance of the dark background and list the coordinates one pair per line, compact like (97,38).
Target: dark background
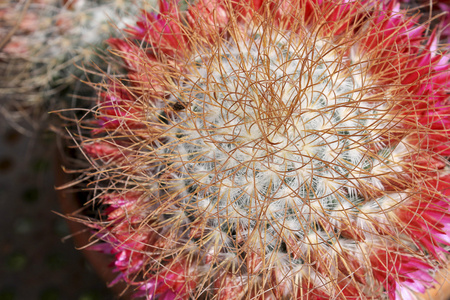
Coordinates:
(37,257)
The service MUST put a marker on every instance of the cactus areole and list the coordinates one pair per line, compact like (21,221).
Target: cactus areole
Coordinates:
(274,150)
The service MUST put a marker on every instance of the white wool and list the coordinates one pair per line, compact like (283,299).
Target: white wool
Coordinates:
(276,141)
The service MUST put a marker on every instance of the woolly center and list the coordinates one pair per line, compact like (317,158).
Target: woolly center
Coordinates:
(278,134)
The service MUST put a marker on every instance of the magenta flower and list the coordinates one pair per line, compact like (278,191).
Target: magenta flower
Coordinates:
(400,274)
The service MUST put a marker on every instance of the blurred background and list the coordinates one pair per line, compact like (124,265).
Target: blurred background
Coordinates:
(38,259)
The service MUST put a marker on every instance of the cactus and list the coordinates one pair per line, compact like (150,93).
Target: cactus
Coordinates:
(44,44)
(279,149)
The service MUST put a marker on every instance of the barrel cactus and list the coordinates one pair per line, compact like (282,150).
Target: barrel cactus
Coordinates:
(273,149)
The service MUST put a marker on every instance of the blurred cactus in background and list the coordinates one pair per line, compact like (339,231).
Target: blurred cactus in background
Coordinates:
(279,149)
(45,44)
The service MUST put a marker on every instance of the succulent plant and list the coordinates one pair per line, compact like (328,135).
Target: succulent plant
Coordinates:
(45,46)
(279,149)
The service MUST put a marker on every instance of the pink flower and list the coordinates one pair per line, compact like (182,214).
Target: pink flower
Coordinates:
(163,28)
(173,283)
(400,273)
(427,219)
